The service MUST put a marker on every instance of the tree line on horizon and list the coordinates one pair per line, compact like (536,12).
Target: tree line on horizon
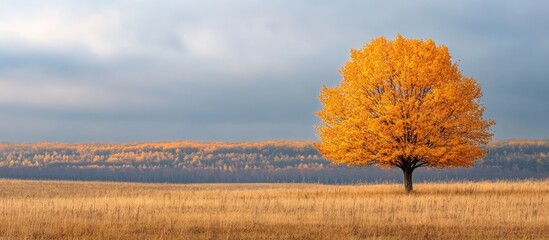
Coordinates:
(271,161)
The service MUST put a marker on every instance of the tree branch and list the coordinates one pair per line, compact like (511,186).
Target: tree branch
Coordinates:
(421,164)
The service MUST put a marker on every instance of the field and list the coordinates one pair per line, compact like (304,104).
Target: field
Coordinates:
(100,210)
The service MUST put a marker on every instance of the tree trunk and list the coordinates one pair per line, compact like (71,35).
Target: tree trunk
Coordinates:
(408,179)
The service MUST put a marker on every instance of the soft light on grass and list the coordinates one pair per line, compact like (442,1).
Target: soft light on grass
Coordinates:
(96,210)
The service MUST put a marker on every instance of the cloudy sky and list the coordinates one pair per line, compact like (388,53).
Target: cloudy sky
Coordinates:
(245,70)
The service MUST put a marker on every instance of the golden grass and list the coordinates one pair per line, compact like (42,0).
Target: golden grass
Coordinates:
(96,210)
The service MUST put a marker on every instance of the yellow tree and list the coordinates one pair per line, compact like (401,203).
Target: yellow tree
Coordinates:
(403,103)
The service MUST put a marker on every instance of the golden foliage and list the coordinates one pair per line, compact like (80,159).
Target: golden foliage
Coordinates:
(98,210)
(403,103)
(180,154)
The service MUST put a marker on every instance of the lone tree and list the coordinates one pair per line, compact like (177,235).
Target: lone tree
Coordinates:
(405,104)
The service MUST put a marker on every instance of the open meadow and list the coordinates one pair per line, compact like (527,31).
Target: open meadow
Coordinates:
(104,210)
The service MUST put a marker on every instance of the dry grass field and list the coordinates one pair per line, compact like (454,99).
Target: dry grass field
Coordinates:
(97,210)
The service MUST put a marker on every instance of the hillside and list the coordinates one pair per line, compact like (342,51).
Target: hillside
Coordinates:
(243,161)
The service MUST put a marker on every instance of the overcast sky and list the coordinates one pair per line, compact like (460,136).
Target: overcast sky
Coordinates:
(85,71)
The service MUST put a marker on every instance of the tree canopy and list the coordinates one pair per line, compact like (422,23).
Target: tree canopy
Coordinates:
(403,103)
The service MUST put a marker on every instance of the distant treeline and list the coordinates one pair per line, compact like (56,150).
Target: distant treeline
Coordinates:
(269,161)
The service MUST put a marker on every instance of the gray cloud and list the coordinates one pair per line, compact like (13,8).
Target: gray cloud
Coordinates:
(244,70)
